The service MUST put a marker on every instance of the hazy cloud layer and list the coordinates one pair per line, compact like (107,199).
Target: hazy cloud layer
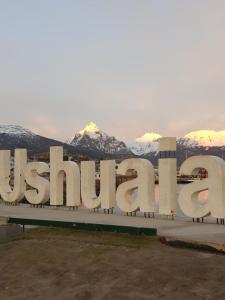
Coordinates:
(130,66)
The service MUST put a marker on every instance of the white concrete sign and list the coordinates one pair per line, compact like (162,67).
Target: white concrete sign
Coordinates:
(39,182)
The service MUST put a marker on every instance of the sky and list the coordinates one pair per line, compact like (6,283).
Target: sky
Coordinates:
(130,66)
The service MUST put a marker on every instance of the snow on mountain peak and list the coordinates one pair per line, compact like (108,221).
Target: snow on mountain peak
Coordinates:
(15,130)
(207,138)
(148,137)
(93,138)
(145,144)
(89,128)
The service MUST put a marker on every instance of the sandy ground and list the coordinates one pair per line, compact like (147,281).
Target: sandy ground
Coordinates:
(65,264)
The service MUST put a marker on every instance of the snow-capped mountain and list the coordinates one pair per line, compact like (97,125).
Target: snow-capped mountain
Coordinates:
(91,137)
(15,130)
(14,137)
(202,142)
(205,138)
(145,144)
(93,143)
(148,143)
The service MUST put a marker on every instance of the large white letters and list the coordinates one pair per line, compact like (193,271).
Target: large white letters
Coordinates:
(144,183)
(215,184)
(132,195)
(59,168)
(17,193)
(41,184)
(106,198)
(167,176)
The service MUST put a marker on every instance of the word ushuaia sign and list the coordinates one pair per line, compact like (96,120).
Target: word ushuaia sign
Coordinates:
(30,182)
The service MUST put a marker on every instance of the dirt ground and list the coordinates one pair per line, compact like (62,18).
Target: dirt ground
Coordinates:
(66,264)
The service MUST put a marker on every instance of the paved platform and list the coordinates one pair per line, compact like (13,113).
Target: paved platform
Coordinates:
(179,228)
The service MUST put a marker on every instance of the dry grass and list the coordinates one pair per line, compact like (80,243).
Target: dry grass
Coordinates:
(67,264)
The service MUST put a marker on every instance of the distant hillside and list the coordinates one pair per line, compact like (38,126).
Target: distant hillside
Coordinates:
(202,142)
(184,151)
(12,137)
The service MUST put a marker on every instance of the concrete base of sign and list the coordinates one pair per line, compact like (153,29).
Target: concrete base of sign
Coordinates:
(181,228)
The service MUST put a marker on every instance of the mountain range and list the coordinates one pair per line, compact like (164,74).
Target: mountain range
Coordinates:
(93,143)
(91,137)
(14,136)
(194,143)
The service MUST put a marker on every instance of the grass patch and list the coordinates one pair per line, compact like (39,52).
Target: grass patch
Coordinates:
(94,237)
